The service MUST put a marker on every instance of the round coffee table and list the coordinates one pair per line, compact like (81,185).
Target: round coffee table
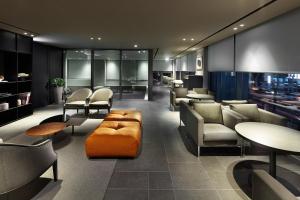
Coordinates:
(46,129)
(200,96)
(275,138)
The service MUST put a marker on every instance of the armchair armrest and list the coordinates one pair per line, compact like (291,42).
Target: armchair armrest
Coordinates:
(231,118)
(272,118)
(193,122)
(172,98)
(192,92)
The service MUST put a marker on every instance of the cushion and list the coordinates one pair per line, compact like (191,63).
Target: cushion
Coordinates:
(76,103)
(229,102)
(181,92)
(100,103)
(114,139)
(248,110)
(124,115)
(218,132)
(211,112)
(178,100)
(200,90)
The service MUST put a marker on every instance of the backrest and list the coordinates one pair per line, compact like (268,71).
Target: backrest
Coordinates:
(248,110)
(211,112)
(200,90)
(81,94)
(103,94)
(181,92)
(229,102)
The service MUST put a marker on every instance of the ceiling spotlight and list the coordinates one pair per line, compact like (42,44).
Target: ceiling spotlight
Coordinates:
(183,39)
(167,59)
(135,46)
(139,51)
(192,39)
(144,51)
(242,25)
(81,51)
(99,38)
(32,35)
(76,51)
(25,33)
(91,38)
(235,28)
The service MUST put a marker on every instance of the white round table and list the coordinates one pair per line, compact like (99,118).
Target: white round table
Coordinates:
(200,96)
(274,137)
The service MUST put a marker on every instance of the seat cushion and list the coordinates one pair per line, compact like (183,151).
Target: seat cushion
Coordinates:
(178,100)
(211,112)
(124,115)
(248,110)
(101,103)
(114,139)
(218,132)
(81,103)
(200,90)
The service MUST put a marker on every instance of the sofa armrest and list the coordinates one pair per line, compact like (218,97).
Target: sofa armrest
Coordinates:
(265,187)
(193,121)
(172,97)
(272,118)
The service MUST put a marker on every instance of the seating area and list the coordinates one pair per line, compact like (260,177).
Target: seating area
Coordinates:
(150,100)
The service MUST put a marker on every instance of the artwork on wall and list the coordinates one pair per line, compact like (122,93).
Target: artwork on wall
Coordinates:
(199,65)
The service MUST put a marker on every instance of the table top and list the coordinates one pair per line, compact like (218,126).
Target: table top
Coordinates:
(46,129)
(200,96)
(270,135)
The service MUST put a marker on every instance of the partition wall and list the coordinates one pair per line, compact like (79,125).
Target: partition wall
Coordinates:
(124,71)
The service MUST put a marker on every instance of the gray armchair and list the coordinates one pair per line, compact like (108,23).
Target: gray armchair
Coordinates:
(21,164)
(252,113)
(77,100)
(209,125)
(176,96)
(101,99)
(265,187)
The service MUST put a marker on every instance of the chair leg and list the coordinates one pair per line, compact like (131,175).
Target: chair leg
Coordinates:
(242,148)
(77,111)
(64,114)
(55,172)
(198,151)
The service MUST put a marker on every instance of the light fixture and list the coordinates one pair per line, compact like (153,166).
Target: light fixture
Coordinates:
(25,33)
(139,52)
(144,51)
(183,39)
(167,59)
(135,46)
(91,38)
(242,25)
(235,28)
(192,39)
(32,35)
(76,51)
(99,38)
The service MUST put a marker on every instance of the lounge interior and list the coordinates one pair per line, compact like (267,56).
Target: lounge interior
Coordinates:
(150,100)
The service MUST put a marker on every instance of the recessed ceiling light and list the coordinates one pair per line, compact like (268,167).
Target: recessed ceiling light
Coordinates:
(99,38)
(76,51)
(192,39)
(81,51)
(32,35)
(91,38)
(135,46)
(235,28)
(242,25)
(139,51)
(183,39)
(25,33)
(144,51)
(167,59)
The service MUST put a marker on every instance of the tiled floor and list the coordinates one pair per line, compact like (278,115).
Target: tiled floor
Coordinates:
(165,169)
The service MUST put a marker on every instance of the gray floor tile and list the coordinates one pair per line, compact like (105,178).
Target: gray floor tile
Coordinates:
(161,195)
(129,180)
(196,195)
(112,194)
(233,195)
(160,180)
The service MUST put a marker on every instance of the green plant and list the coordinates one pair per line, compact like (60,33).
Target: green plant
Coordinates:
(57,82)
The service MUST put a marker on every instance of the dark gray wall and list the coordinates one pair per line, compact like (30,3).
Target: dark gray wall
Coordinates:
(271,47)
(221,55)
(47,63)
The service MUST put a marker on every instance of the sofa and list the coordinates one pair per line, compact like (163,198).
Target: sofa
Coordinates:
(250,112)
(209,125)
(176,96)
(201,91)
(265,187)
(21,164)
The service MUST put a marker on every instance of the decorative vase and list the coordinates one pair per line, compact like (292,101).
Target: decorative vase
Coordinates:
(58,92)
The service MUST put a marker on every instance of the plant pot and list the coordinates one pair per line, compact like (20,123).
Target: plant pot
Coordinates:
(57,94)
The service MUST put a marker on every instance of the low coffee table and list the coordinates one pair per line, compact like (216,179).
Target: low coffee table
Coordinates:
(75,121)
(46,129)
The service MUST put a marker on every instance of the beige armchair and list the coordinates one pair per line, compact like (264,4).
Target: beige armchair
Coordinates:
(250,112)
(176,96)
(209,125)
(201,91)
(265,187)
(77,100)
(101,99)
(21,164)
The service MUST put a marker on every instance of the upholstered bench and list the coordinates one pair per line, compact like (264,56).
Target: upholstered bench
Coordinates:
(124,115)
(114,139)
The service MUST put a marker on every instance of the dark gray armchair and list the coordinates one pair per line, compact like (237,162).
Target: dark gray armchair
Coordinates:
(21,164)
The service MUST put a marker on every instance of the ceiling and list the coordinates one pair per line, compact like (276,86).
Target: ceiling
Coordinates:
(154,24)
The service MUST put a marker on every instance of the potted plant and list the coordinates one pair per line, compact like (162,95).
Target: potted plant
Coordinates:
(58,84)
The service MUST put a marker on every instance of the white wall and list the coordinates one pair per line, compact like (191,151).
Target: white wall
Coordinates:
(162,65)
(142,71)
(112,70)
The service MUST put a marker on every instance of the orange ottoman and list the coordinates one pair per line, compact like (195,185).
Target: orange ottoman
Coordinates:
(124,115)
(114,139)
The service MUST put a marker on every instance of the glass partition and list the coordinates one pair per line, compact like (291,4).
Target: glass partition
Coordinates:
(77,69)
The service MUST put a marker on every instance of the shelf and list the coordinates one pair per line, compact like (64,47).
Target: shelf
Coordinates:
(29,104)
(24,81)
(12,108)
